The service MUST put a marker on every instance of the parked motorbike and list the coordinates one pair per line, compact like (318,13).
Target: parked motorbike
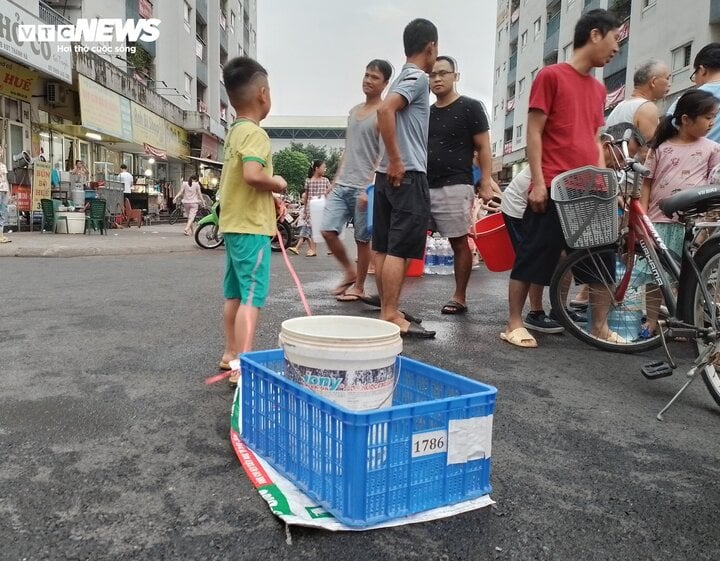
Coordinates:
(208,236)
(288,229)
(207,232)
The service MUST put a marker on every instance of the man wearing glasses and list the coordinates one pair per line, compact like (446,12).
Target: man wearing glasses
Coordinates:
(458,128)
(706,76)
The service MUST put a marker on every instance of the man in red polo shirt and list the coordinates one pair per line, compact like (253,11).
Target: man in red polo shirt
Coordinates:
(565,115)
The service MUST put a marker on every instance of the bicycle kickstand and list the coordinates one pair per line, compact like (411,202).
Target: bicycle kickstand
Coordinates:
(698,367)
(692,373)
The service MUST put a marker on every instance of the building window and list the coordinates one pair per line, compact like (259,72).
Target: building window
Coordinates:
(537,28)
(518,133)
(232,22)
(499,36)
(523,40)
(570,4)
(647,3)
(223,113)
(533,74)
(495,110)
(188,83)
(521,85)
(567,51)
(187,11)
(681,57)
(497,73)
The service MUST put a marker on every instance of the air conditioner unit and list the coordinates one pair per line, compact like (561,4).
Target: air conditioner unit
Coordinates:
(56,93)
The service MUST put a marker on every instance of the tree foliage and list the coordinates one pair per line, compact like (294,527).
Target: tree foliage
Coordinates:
(312,152)
(292,165)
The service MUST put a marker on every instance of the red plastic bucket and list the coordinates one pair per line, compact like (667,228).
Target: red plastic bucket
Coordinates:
(493,243)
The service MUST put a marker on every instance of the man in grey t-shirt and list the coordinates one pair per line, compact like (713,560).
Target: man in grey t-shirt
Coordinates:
(401,207)
(348,199)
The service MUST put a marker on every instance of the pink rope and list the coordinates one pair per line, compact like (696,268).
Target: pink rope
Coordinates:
(303,299)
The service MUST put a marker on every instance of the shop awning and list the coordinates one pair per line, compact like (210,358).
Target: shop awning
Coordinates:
(81,131)
(207,161)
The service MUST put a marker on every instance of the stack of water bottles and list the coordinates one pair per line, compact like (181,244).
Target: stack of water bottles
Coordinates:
(439,256)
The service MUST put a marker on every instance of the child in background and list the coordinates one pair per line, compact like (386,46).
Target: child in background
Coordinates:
(680,159)
(247,220)
(316,186)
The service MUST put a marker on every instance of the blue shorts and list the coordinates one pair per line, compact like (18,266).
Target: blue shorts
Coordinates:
(247,268)
(342,204)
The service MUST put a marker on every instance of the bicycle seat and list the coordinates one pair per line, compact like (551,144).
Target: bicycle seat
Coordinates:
(694,201)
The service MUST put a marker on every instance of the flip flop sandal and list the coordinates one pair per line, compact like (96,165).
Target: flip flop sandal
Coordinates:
(453,307)
(224,366)
(347,297)
(519,337)
(341,288)
(372,300)
(415,331)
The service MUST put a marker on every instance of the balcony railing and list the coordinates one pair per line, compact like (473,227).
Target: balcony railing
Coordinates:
(50,16)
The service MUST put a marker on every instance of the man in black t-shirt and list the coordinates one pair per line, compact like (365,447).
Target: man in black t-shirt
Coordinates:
(458,128)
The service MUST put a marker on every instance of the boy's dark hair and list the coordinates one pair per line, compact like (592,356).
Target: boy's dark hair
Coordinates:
(418,33)
(123,166)
(599,19)
(692,103)
(238,74)
(708,56)
(382,66)
(450,60)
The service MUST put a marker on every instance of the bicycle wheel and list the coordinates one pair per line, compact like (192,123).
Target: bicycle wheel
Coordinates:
(708,261)
(208,236)
(602,269)
(175,215)
(284,231)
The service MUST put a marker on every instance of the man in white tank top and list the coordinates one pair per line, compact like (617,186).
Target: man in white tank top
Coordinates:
(347,198)
(651,82)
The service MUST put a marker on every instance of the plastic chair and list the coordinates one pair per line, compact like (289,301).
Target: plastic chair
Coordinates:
(50,217)
(95,218)
(132,214)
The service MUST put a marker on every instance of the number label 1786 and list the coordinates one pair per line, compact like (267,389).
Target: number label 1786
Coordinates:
(427,443)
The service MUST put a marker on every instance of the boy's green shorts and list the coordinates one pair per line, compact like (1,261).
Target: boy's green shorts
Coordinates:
(247,268)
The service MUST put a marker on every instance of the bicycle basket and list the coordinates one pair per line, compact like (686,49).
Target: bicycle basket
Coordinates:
(586,201)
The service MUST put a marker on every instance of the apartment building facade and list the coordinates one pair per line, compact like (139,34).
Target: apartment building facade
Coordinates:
(531,34)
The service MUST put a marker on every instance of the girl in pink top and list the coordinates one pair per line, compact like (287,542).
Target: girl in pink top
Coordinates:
(681,158)
(192,199)
(316,187)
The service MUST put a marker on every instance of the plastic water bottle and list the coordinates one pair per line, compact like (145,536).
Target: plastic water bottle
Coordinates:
(442,268)
(449,259)
(429,255)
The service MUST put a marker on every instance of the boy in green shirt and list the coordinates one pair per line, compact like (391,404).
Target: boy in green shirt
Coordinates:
(247,217)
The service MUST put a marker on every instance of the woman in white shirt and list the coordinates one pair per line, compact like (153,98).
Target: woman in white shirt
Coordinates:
(191,200)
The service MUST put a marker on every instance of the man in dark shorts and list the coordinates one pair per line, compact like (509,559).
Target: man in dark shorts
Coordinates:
(566,112)
(402,200)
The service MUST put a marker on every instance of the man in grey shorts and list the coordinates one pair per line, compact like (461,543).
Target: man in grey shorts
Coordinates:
(401,207)
(355,172)
(458,128)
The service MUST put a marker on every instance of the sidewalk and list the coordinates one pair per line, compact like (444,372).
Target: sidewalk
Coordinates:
(159,238)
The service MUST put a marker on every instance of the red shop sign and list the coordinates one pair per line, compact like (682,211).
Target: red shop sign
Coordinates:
(22,193)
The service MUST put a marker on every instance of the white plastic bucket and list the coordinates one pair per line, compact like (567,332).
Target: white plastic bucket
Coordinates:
(317,209)
(349,360)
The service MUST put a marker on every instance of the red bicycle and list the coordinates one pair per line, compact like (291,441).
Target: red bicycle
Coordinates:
(633,279)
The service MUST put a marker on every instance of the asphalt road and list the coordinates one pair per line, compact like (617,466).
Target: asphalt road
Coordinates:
(111,446)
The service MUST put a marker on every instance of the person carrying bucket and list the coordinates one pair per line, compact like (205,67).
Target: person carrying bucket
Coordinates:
(247,220)
(458,129)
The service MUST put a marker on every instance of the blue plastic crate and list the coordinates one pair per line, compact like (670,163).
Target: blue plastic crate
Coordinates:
(367,467)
